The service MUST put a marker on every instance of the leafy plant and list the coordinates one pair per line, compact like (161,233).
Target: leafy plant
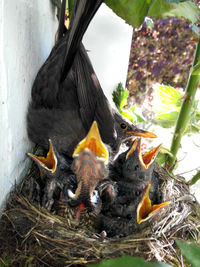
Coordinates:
(135,11)
(167,105)
(126,260)
(120,96)
(190,251)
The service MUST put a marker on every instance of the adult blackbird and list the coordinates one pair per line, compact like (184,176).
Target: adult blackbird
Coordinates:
(67,96)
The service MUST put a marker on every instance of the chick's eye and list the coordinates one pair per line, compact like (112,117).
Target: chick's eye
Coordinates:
(62,168)
(123,126)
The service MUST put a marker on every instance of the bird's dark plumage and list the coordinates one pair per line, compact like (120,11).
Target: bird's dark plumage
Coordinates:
(66,99)
(55,171)
(137,192)
(67,96)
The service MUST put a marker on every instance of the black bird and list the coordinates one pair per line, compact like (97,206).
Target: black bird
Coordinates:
(138,192)
(67,96)
(55,171)
(84,181)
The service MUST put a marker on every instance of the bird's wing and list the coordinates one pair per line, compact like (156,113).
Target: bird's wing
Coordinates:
(93,103)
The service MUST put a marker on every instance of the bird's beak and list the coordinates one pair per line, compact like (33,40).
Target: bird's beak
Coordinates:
(133,148)
(50,162)
(147,158)
(145,210)
(142,133)
(94,143)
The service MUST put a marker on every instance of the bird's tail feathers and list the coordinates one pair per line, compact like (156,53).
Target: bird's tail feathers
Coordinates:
(82,14)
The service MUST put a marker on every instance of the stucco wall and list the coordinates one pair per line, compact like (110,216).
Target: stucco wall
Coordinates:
(27,31)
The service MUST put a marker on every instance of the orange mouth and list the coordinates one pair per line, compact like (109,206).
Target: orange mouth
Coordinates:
(145,210)
(147,158)
(94,143)
(49,162)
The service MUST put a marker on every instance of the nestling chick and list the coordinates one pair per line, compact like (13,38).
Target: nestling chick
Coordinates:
(90,167)
(133,173)
(54,172)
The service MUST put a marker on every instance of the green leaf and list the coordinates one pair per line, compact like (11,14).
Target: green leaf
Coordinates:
(158,8)
(135,11)
(192,128)
(166,120)
(132,11)
(120,96)
(191,252)
(163,9)
(129,115)
(149,22)
(128,261)
(166,98)
(139,118)
(70,5)
(161,157)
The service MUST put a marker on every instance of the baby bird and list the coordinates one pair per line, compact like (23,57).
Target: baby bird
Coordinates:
(137,190)
(54,172)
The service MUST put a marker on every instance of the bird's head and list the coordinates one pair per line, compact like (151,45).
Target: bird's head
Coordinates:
(124,130)
(52,165)
(90,166)
(138,166)
(145,210)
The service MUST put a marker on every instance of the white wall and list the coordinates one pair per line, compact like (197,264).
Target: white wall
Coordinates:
(108,40)
(27,31)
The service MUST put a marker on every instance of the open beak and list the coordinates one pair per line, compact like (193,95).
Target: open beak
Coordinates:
(49,163)
(133,148)
(142,133)
(94,143)
(147,158)
(145,210)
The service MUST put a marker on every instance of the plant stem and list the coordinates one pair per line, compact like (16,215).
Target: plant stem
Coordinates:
(187,104)
(194,179)
(70,4)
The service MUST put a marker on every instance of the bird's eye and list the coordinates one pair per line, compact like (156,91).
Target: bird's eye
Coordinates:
(136,167)
(62,168)
(129,216)
(123,126)
(137,193)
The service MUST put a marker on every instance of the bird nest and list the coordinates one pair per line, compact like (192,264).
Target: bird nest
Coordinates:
(29,234)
